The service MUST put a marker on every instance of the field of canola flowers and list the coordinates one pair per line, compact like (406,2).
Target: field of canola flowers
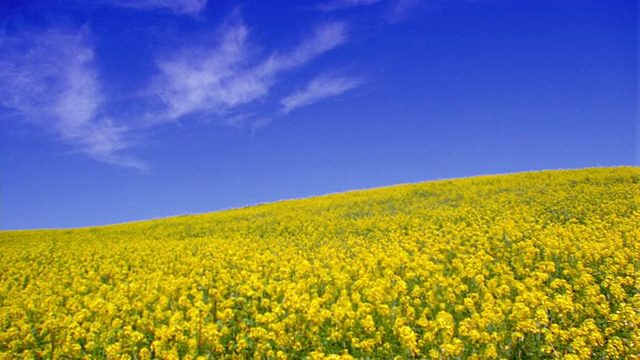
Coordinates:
(533,265)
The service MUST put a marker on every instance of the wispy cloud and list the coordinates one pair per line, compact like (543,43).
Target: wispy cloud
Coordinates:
(402,9)
(319,89)
(334,5)
(209,79)
(393,10)
(188,7)
(50,79)
(220,78)
(323,39)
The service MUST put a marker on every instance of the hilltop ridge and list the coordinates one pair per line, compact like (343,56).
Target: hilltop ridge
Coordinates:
(533,265)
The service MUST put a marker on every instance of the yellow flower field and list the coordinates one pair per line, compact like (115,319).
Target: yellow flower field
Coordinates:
(533,265)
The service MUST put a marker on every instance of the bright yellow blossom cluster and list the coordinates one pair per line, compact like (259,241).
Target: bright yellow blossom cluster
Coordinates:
(533,265)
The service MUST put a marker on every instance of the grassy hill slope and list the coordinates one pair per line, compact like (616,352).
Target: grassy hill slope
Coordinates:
(536,265)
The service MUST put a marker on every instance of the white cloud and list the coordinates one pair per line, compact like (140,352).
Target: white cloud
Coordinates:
(324,38)
(50,80)
(402,9)
(259,124)
(319,89)
(221,78)
(188,7)
(345,4)
(210,80)
(394,10)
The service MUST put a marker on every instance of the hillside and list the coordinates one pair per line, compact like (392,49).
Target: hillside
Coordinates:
(531,265)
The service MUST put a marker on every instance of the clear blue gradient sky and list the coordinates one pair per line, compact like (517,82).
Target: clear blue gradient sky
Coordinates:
(113,112)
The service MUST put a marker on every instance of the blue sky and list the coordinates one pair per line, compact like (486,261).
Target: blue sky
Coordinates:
(129,110)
